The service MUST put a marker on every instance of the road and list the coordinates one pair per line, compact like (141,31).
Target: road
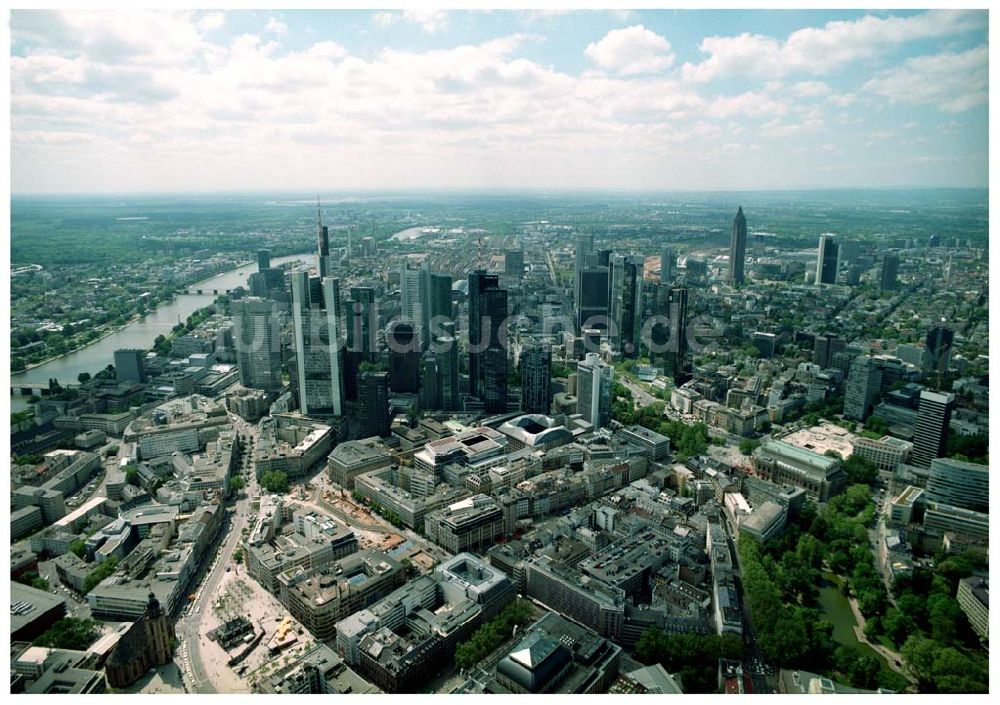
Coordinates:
(641,396)
(189,627)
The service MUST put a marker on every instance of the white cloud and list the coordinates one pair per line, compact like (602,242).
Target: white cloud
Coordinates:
(211,21)
(810,89)
(632,50)
(820,50)
(384,19)
(431,21)
(954,82)
(275,26)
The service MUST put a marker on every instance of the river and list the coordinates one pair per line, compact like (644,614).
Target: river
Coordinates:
(139,334)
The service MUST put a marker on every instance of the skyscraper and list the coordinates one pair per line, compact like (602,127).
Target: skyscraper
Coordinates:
(322,244)
(584,246)
(939,340)
(446,354)
(362,322)
(593,394)
(677,345)
(404,357)
(373,404)
(318,352)
(263,260)
(514,263)
(593,301)
(826,261)
(861,389)
(130,365)
(931,432)
(413,285)
(257,338)
(737,249)
(668,265)
(487,354)
(536,377)
(439,308)
(625,301)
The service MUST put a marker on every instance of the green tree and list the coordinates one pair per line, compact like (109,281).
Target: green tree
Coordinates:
(274,481)
(83,377)
(748,445)
(70,633)
(78,547)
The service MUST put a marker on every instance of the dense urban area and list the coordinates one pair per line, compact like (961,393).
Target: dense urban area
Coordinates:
(487,443)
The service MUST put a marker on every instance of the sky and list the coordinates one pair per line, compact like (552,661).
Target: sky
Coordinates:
(149,101)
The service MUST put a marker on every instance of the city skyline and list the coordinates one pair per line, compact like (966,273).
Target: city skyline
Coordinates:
(383,100)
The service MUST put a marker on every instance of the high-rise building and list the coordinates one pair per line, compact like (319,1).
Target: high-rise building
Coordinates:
(960,484)
(826,261)
(413,296)
(362,322)
(536,377)
(130,365)
(318,353)
(737,249)
(487,353)
(939,340)
(594,382)
(593,299)
(625,301)
(677,345)
(322,244)
(257,339)
(668,265)
(888,272)
(863,384)
(931,432)
(439,310)
(825,347)
(584,246)
(373,404)
(446,354)
(513,263)
(404,357)
(263,260)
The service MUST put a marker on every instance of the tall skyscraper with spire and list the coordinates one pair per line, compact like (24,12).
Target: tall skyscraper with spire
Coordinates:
(319,361)
(323,243)
(737,249)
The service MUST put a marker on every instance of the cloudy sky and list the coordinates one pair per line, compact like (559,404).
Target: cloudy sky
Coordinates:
(243,100)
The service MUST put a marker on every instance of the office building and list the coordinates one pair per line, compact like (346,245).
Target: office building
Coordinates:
(257,338)
(931,432)
(362,322)
(862,388)
(487,352)
(668,265)
(472,524)
(939,341)
(536,377)
(263,260)
(513,261)
(413,298)
(888,273)
(322,244)
(351,458)
(675,358)
(593,399)
(974,599)
(404,357)
(625,302)
(373,404)
(318,354)
(316,671)
(584,246)
(960,484)
(825,348)
(592,297)
(737,249)
(130,365)
(440,311)
(446,357)
(826,261)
